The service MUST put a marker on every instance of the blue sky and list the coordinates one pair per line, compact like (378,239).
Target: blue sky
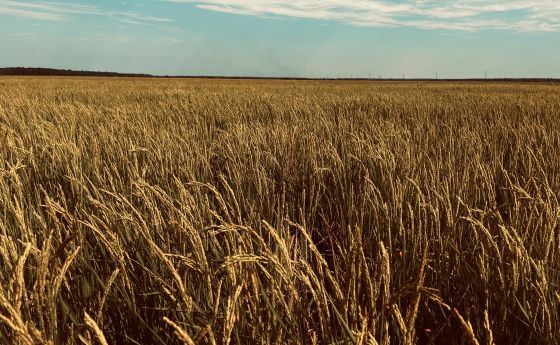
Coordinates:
(300,38)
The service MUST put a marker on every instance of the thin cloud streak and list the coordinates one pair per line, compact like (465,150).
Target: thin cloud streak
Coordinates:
(59,11)
(463,15)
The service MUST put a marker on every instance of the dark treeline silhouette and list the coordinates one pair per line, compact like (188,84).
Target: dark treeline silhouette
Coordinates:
(33,71)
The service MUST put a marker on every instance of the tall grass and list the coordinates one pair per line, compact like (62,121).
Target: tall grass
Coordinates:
(227,212)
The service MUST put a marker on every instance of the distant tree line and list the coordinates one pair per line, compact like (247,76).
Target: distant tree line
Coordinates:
(32,71)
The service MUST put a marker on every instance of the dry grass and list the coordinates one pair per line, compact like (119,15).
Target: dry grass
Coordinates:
(227,212)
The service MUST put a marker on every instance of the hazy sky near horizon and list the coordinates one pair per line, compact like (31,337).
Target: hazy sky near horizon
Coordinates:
(299,38)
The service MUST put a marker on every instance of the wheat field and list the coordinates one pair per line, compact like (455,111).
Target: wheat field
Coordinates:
(150,211)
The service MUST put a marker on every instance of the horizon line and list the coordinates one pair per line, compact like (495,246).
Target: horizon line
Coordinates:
(62,72)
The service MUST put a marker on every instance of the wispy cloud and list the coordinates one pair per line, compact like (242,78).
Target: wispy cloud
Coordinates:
(58,11)
(464,15)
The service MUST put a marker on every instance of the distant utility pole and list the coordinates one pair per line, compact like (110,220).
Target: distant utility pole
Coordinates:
(485,74)
(403,76)
(436,76)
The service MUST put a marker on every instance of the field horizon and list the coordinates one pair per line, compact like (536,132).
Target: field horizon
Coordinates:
(58,72)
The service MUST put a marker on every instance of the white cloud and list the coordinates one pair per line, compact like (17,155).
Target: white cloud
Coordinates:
(29,10)
(57,11)
(464,15)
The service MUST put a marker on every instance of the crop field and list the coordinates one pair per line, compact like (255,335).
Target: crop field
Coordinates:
(186,211)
